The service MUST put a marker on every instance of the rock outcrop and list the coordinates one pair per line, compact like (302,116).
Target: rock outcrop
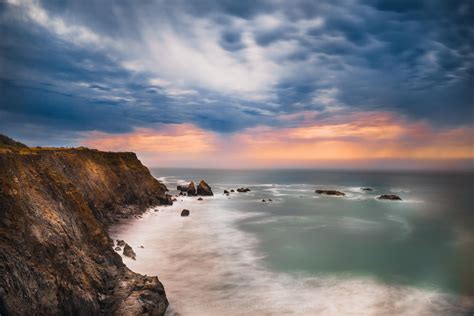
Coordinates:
(204,189)
(185,212)
(391,197)
(366,189)
(128,252)
(191,189)
(330,192)
(242,190)
(56,257)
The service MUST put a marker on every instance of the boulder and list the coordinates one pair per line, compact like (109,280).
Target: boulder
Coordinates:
(191,189)
(128,251)
(200,199)
(226,192)
(204,189)
(391,197)
(330,192)
(120,243)
(263,201)
(232,190)
(118,248)
(182,188)
(185,212)
(366,189)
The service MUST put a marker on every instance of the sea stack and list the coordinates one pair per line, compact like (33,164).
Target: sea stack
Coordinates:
(191,189)
(204,188)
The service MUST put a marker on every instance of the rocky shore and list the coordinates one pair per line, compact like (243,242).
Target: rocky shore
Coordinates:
(56,257)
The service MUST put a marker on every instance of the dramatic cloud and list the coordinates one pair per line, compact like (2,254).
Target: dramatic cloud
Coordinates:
(69,69)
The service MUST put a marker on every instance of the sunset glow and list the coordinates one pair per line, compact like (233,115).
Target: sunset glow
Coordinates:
(347,141)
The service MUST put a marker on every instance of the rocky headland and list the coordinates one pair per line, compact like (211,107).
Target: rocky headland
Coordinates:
(56,257)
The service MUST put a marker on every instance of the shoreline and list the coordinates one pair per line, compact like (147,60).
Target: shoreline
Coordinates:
(166,221)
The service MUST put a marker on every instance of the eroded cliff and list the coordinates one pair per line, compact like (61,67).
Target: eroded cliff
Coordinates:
(55,254)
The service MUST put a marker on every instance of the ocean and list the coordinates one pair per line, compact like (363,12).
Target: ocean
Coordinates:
(307,254)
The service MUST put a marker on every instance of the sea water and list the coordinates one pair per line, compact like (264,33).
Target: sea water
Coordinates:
(307,254)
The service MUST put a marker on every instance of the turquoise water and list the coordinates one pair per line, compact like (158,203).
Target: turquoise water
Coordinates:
(414,252)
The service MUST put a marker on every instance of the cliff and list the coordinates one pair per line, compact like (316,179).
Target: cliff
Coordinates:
(55,254)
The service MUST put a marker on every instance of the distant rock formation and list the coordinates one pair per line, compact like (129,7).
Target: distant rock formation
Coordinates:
(204,189)
(56,257)
(243,190)
(191,189)
(391,197)
(330,192)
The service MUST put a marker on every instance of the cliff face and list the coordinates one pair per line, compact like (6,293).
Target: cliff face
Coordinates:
(55,254)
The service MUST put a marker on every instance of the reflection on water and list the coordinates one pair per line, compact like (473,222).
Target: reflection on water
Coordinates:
(306,254)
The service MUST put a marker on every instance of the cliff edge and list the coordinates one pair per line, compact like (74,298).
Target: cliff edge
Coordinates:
(55,254)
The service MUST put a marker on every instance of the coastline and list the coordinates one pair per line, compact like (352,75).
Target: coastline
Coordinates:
(56,256)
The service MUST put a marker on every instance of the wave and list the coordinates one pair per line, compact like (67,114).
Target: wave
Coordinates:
(210,267)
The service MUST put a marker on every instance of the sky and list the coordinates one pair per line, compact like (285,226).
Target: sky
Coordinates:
(244,84)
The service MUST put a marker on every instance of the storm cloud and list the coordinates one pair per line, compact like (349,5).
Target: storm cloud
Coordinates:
(69,68)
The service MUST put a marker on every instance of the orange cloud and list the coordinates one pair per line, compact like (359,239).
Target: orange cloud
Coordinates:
(340,141)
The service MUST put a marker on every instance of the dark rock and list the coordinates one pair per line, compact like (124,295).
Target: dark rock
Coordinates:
(391,197)
(366,189)
(270,200)
(118,248)
(191,189)
(204,189)
(142,247)
(232,191)
(200,199)
(330,192)
(226,192)
(263,201)
(128,251)
(120,243)
(185,212)
(243,190)
(182,188)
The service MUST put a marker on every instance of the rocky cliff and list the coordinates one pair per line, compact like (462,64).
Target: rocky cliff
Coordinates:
(55,254)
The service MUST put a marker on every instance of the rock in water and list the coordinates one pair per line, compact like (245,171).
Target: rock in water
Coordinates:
(263,201)
(243,190)
(366,189)
(182,188)
(120,243)
(330,192)
(118,248)
(128,251)
(204,188)
(200,199)
(185,212)
(192,189)
(391,197)
(226,192)
(232,191)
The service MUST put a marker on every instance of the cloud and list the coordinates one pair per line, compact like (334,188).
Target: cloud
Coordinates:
(226,67)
